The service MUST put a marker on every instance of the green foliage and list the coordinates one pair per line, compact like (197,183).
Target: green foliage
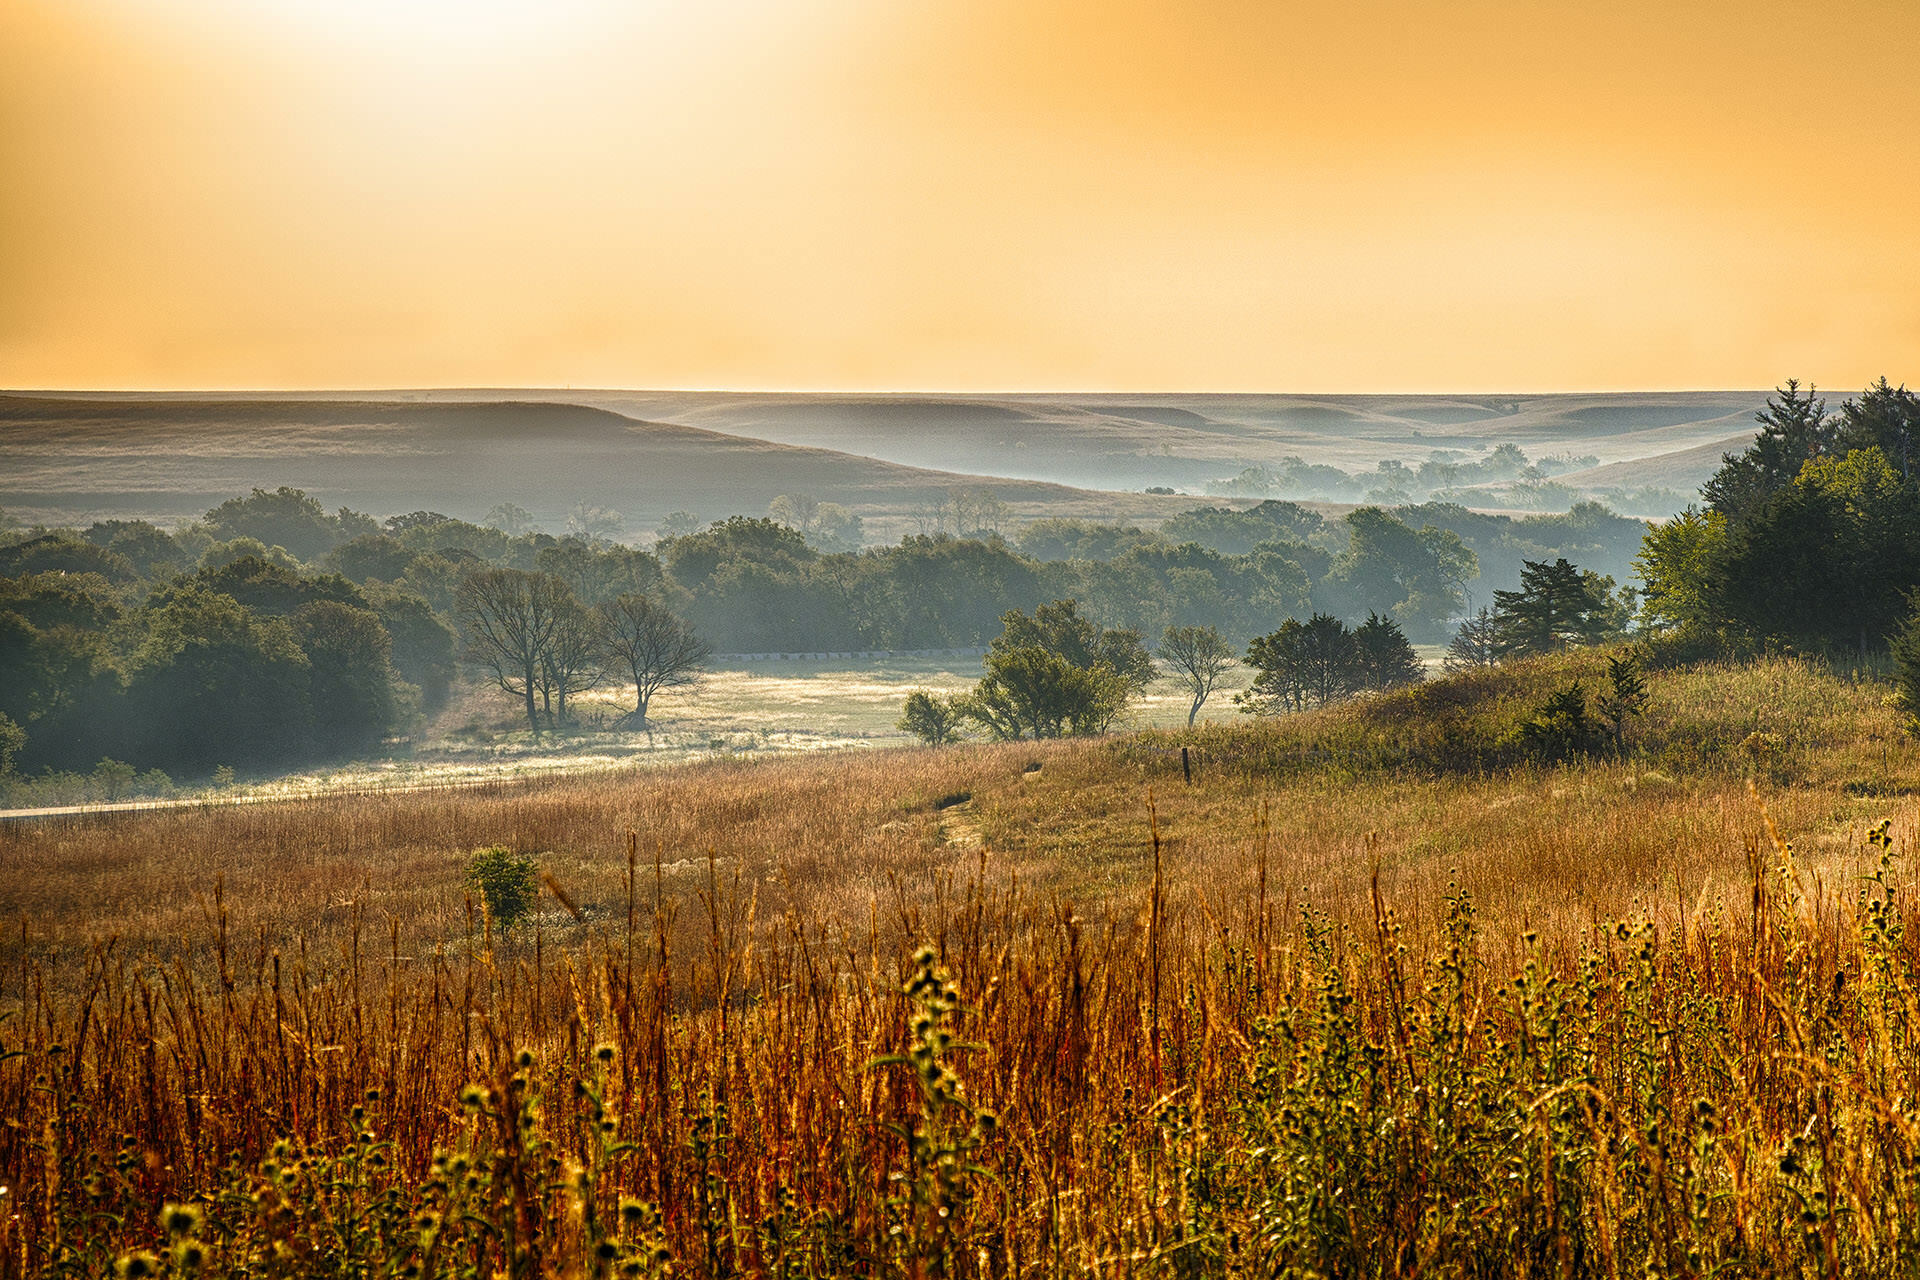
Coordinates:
(1562,728)
(1055,673)
(933,1229)
(59,553)
(1625,696)
(1416,576)
(214,681)
(1319,661)
(506,881)
(350,675)
(1384,656)
(935,721)
(1794,429)
(13,739)
(287,518)
(1906,671)
(1811,540)
(1556,605)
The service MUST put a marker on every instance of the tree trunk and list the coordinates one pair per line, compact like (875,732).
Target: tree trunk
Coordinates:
(533,714)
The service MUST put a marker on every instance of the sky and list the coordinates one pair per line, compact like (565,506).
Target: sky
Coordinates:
(966,195)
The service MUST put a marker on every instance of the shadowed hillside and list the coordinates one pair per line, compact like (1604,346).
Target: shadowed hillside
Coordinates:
(72,459)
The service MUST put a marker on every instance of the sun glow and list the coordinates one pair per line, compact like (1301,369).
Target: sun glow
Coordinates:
(973,194)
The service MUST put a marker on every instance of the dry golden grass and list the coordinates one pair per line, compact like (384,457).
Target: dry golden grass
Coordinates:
(217,978)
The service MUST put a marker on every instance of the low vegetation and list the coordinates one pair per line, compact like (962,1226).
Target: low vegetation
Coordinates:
(1377,991)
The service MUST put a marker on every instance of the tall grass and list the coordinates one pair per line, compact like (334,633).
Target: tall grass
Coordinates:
(1378,1021)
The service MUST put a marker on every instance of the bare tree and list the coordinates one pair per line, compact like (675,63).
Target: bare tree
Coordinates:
(795,510)
(1476,644)
(1200,657)
(508,618)
(571,663)
(651,644)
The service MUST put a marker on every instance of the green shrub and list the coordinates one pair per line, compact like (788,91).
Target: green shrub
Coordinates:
(505,882)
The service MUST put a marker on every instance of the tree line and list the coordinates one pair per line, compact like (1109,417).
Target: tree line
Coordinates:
(1056,674)
(1808,540)
(274,630)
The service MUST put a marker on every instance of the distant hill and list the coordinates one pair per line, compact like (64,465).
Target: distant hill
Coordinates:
(70,459)
(1130,442)
(66,458)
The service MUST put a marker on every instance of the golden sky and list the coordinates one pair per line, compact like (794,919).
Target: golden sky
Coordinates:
(1361,195)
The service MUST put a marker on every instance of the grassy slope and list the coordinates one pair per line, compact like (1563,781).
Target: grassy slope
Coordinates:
(1413,782)
(783,896)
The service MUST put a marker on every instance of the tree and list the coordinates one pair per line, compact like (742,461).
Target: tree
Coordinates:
(595,524)
(795,510)
(1475,644)
(423,645)
(1031,693)
(1301,665)
(1555,606)
(508,618)
(1828,560)
(935,721)
(1906,670)
(1625,696)
(1418,576)
(1386,659)
(1200,657)
(1676,563)
(349,655)
(287,518)
(1794,429)
(1884,417)
(836,530)
(678,524)
(216,682)
(510,518)
(1055,673)
(652,645)
(13,740)
(1060,629)
(571,663)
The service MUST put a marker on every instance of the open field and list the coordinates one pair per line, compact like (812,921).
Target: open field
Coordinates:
(739,709)
(68,459)
(1199,1037)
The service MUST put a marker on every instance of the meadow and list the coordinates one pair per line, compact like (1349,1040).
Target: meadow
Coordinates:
(740,707)
(1367,993)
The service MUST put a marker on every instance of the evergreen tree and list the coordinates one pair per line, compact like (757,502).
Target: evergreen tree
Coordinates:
(1794,429)
(1555,606)
(1301,665)
(1625,697)
(1385,657)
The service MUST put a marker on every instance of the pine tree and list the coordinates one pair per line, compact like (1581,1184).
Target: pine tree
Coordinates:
(1556,606)
(1625,698)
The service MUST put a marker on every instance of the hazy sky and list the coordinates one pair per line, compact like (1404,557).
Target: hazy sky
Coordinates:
(1365,195)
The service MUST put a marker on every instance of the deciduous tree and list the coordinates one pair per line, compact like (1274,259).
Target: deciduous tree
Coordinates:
(1199,656)
(651,645)
(508,618)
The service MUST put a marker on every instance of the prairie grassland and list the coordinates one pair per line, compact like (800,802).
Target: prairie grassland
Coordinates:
(1369,996)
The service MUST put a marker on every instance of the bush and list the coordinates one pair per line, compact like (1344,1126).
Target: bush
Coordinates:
(505,882)
(1562,728)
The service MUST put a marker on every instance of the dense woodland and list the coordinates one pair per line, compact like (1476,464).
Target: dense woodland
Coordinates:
(274,631)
